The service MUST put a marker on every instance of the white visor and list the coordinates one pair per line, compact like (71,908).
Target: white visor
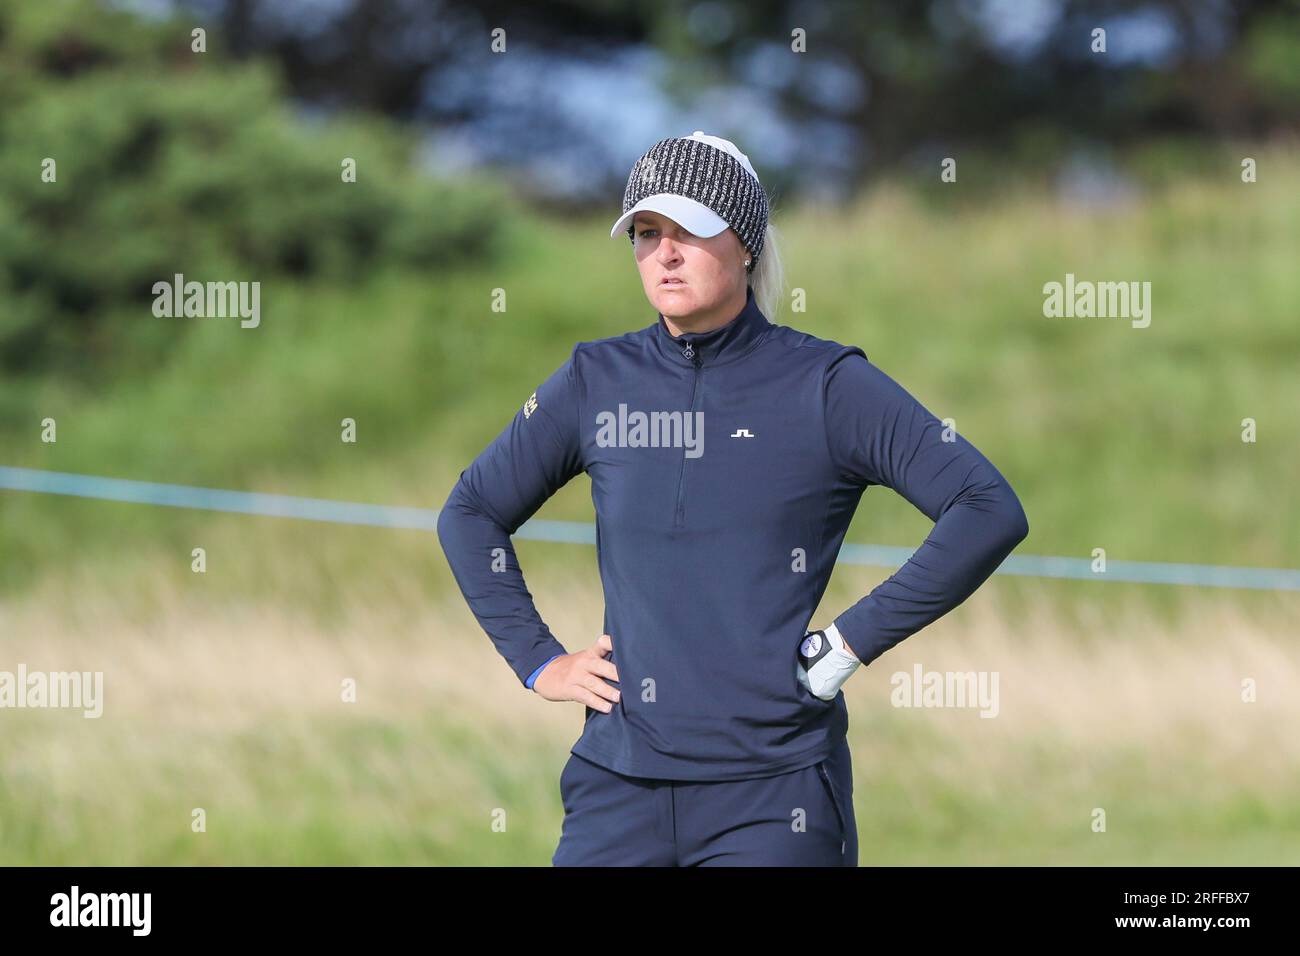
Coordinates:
(694,217)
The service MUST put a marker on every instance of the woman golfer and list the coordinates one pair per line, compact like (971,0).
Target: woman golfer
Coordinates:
(726,455)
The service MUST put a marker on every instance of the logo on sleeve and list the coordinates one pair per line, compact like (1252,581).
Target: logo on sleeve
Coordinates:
(530,406)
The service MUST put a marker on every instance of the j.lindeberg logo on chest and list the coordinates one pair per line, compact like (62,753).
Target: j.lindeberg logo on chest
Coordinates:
(655,429)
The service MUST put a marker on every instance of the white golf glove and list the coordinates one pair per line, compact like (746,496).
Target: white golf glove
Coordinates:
(823,664)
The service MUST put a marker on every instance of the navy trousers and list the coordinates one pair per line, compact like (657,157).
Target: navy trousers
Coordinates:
(799,818)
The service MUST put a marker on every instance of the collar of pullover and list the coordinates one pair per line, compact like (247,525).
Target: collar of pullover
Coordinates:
(719,345)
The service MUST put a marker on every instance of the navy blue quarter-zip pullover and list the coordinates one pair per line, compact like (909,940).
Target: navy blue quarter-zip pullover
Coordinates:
(717,532)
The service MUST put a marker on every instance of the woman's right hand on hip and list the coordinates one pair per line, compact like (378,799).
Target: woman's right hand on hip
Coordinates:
(578,676)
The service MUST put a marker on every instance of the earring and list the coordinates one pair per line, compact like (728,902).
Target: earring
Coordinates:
(746,262)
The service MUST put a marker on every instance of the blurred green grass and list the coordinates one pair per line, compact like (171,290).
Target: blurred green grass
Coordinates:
(223,690)
(234,707)
(1114,437)
(292,807)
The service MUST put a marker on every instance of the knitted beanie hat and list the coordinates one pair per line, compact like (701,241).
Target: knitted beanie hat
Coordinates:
(704,183)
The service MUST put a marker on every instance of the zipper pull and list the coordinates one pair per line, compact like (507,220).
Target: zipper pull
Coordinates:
(689,351)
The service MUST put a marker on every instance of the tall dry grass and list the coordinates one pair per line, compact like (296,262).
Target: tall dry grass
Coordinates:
(237,708)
